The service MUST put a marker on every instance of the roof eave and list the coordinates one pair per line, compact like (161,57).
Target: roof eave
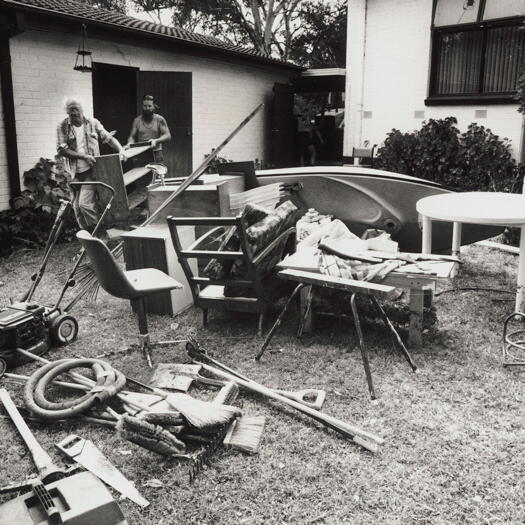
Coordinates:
(148,34)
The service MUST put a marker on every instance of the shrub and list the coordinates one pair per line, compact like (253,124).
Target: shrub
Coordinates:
(33,212)
(476,160)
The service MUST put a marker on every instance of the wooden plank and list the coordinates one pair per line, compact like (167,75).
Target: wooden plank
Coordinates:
(133,152)
(135,174)
(108,169)
(306,259)
(137,197)
(211,254)
(327,281)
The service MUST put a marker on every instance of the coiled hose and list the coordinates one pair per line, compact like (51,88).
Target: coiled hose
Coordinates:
(108,382)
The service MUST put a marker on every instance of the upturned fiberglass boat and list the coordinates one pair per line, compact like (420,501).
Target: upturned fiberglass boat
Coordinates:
(368,198)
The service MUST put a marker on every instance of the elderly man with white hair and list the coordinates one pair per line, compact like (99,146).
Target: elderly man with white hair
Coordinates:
(77,143)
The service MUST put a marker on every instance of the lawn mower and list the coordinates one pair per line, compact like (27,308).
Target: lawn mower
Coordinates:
(34,327)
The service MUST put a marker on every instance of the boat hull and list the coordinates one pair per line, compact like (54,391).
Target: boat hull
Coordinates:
(365,198)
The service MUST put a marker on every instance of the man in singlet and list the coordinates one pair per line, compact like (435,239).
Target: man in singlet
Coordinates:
(150,127)
(77,146)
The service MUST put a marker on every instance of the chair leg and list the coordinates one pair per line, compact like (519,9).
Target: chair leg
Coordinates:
(260,324)
(205,317)
(364,352)
(144,340)
(277,322)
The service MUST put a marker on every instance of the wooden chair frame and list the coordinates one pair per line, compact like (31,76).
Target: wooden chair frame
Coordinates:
(267,289)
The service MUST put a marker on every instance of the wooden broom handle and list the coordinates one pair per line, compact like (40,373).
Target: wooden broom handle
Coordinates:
(361,437)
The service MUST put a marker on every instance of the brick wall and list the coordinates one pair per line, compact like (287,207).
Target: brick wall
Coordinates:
(223,95)
(4,179)
(396,74)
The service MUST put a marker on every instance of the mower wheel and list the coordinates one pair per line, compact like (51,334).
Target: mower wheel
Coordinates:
(64,329)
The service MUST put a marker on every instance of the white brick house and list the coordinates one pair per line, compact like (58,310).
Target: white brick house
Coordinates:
(411,60)
(41,38)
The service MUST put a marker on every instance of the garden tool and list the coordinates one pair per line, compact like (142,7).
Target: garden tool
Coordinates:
(170,375)
(85,453)
(358,435)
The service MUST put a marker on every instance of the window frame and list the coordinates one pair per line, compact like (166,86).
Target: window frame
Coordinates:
(483,26)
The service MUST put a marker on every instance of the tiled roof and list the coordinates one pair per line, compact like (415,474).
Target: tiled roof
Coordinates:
(87,13)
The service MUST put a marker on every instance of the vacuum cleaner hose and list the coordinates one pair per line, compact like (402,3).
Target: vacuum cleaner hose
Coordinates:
(108,382)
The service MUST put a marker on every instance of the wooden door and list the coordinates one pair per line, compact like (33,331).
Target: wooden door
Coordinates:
(283,126)
(114,100)
(172,93)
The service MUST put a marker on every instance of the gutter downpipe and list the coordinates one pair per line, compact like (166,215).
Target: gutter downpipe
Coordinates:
(355,78)
(362,97)
(12,28)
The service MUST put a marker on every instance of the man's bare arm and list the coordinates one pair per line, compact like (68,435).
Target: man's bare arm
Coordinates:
(165,134)
(133,132)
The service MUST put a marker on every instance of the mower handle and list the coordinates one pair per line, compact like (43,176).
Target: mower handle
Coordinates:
(94,183)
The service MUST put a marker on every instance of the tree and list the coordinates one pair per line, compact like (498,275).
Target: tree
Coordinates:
(111,5)
(266,25)
(322,39)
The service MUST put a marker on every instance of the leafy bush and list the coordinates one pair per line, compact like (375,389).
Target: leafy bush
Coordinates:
(476,160)
(33,212)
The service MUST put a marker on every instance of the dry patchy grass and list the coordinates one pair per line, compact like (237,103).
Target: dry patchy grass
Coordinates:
(455,438)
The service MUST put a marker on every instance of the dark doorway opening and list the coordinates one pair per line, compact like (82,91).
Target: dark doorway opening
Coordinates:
(172,91)
(308,114)
(115,100)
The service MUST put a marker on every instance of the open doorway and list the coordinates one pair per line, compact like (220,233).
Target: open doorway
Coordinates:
(320,128)
(115,99)
(319,113)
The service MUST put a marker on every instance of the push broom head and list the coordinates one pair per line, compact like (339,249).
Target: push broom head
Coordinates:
(202,415)
(245,434)
(147,435)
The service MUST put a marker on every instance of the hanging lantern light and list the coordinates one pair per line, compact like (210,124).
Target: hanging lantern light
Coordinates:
(83,62)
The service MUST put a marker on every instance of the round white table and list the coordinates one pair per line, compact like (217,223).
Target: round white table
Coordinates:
(492,208)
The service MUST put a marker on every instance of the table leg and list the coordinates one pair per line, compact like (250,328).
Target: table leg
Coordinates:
(394,333)
(362,347)
(306,313)
(520,292)
(456,239)
(278,321)
(426,246)
(415,327)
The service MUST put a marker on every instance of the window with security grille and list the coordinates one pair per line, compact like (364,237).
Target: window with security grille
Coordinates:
(478,49)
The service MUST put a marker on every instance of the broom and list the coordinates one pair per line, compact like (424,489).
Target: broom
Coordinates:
(88,280)
(201,415)
(245,432)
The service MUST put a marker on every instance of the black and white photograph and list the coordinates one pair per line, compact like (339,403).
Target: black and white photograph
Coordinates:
(262,262)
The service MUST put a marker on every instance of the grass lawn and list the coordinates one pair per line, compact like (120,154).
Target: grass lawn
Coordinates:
(455,438)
